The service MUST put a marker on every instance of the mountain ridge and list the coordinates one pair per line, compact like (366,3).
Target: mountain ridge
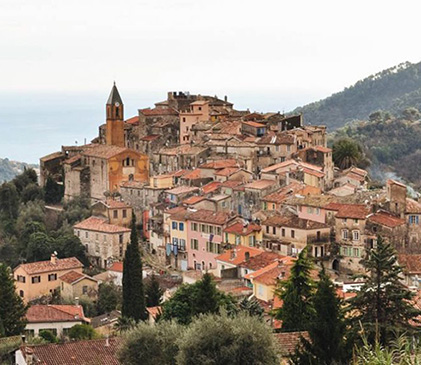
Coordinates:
(10,168)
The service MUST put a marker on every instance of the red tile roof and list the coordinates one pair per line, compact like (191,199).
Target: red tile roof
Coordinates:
(71,277)
(293,222)
(182,190)
(353,211)
(104,151)
(100,225)
(116,204)
(220,164)
(254,124)
(288,341)
(318,174)
(47,266)
(240,229)
(231,183)
(386,219)
(212,186)
(54,313)
(154,311)
(260,184)
(410,262)
(133,120)
(228,171)
(192,175)
(271,273)
(264,259)
(193,200)
(412,206)
(158,111)
(203,215)
(116,266)
(237,255)
(77,352)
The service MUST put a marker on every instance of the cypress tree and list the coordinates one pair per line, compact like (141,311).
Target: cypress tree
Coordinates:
(206,298)
(295,294)
(326,329)
(12,308)
(383,305)
(133,292)
(153,292)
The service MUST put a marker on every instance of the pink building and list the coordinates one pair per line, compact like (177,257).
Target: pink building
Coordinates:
(204,232)
(199,112)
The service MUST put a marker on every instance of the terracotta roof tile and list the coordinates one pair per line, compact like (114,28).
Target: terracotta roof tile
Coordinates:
(237,255)
(116,266)
(54,313)
(204,215)
(412,206)
(71,277)
(228,171)
(386,219)
(100,225)
(212,186)
(182,190)
(288,341)
(77,352)
(353,211)
(133,120)
(240,229)
(410,262)
(154,311)
(193,200)
(150,137)
(260,184)
(220,164)
(293,222)
(104,151)
(254,124)
(47,266)
(264,259)
(158,111)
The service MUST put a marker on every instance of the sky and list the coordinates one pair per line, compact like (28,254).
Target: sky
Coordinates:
(265,55)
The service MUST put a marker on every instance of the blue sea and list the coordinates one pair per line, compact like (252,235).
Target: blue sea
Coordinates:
(33,125)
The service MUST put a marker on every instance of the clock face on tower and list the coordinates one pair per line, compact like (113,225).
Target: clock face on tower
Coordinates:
(117,104)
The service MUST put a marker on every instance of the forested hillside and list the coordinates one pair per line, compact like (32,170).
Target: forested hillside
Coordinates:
(394,90)
(10,169)
(392,144)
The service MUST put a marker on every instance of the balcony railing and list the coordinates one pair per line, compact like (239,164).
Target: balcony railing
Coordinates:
(325,238)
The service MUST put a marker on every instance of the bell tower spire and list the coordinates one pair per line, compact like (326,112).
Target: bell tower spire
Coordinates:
(115,118)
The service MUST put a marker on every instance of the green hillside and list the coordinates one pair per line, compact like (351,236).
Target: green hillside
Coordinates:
(393,90)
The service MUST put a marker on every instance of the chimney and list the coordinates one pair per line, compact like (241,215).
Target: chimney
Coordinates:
(29,358)
(226,98)
(107,341)
(287,181)
(54,258)
(76,300)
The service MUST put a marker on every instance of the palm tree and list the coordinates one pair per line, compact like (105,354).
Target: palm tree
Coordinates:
(346,153)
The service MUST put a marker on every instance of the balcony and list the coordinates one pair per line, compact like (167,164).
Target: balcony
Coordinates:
(318,239)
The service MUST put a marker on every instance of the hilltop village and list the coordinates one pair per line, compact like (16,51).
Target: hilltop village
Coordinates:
(233,193)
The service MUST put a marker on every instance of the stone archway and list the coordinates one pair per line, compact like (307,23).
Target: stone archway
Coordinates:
(335,265)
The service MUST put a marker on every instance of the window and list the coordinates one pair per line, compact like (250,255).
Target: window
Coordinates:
(252,241)
(21,278)
(344,234)
(356,252)
(355,235)
(292,233)
(355,221)
(283,232)
(211,229)
(194,227)
(181,226)
(317,211)
(344,220)
(194,244)
(86,234)
(218,231)
(36,279)
(182,244)
(237,239)
(105,238)
(78,233)
(274,230)
(310,210)
(52,277)
(84,290)
(226,237)
(174,226)
(413,219)
(120,239)
(124,213)
(259,289)
(115,213)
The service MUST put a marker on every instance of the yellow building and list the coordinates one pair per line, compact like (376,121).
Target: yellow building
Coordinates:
(36,279)
(264,281)
(76,285)
(161,181)
(249,234)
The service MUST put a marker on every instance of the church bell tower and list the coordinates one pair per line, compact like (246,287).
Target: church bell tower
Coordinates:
(115,119)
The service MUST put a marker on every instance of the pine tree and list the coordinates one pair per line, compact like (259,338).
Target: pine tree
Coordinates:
(206,296)
(326,329)
(133,292)
(12,308)
(295,294)
(153,292)
(383,305)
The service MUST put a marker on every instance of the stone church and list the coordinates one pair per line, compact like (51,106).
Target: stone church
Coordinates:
(95,169)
